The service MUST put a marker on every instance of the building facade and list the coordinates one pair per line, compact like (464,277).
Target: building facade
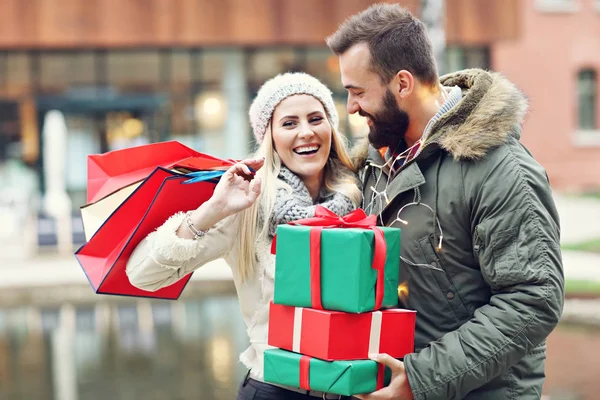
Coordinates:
(141,71)
(556,62)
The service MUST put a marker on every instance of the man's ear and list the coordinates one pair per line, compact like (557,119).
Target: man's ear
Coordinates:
(403,84)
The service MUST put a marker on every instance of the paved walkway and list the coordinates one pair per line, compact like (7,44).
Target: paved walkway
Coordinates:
(580,220)
(581,265)
(52,270)
(579,217)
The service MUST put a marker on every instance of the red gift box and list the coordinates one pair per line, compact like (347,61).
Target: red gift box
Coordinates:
(334,335)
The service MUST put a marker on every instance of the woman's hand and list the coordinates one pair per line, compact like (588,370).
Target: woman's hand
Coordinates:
(238,189)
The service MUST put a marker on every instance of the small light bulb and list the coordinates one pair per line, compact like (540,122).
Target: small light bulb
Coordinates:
(403,290)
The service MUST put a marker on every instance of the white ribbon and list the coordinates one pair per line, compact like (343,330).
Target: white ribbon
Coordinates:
(297,329)
(375,335)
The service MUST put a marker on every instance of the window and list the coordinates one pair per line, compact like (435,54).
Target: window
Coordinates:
(323,64)
(266,63)
(586,96)
(134,71)
(10,130)
(60,71)
(180,68)
(557,6)
(460,57)
(15,72)
(588,133)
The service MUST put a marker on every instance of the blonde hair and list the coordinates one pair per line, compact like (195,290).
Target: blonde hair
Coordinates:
(338,177)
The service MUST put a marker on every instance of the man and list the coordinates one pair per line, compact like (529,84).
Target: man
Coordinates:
(480,257)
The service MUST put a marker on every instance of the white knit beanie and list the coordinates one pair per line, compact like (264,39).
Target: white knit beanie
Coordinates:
(275,90)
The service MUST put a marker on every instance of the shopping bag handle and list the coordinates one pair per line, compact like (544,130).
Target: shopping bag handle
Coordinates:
(203,176)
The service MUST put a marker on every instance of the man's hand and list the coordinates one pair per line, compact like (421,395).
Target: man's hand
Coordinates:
(398,389)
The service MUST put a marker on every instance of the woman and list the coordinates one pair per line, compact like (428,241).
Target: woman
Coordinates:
(301,161)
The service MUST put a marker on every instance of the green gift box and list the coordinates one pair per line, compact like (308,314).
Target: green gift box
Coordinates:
(345,280)
(344,378)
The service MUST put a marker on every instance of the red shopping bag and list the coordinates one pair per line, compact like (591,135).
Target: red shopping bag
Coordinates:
(160,195)
(114,170)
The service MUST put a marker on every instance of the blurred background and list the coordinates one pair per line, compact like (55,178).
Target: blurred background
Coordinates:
(79,77)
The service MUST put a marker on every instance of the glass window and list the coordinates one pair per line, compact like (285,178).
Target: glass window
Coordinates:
(587,94)
(10,130)
(138,70)
(181,75)
(265,64)
(182,114)
(54,71)
(460,57)
(210,69)
(454,58)
(82,68)
(18,68)
(15,71)
(557,5)
(323,64)
(125,129)
(180,67)
(477,57)
(59,71)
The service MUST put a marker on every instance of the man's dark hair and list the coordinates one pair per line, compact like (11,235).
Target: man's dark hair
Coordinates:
(396,40)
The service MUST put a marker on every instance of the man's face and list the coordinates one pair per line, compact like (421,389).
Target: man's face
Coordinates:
(372,99)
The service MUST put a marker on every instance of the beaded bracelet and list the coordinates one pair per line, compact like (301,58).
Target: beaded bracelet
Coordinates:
(188,220)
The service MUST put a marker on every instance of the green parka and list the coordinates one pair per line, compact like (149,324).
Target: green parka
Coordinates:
(488,298)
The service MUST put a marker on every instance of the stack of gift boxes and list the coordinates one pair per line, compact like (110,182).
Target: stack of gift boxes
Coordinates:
(335,281)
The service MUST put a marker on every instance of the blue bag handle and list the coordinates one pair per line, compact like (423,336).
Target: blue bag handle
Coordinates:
(207,176)
(203,176)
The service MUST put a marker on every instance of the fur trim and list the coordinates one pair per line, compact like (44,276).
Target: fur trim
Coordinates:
(167,245)
(491,110)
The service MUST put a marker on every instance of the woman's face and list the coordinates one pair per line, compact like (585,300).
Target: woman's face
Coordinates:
(302,135)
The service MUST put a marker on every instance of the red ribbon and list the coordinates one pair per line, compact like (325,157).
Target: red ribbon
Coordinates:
(380,376)
(315,267)
(304,372)
(325,219)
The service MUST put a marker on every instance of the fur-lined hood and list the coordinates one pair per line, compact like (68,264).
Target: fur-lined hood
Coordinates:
(486,116)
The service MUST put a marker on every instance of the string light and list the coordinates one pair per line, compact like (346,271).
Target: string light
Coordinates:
(404,222)
(375,194)
(407,155)
(403,290)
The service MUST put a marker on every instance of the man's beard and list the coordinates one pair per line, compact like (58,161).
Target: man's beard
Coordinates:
(389,125)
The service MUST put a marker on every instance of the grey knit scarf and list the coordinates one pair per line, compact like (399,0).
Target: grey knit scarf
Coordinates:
(297,204)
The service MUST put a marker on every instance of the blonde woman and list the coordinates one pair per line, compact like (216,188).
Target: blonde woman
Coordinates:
(301,161)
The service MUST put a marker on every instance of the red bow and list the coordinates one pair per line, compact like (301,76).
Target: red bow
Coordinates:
(328,219)
(325,219)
